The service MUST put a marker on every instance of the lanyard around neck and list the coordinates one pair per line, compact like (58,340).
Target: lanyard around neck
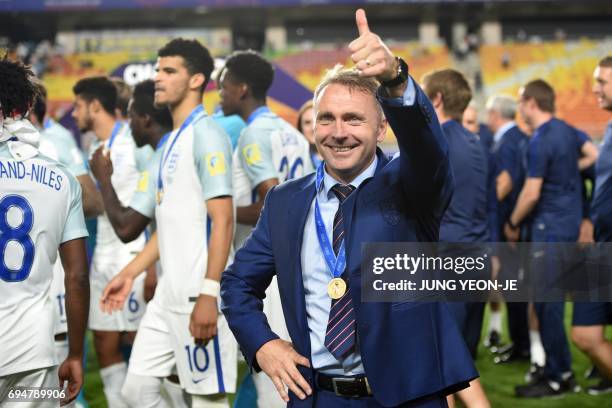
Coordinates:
(164,158)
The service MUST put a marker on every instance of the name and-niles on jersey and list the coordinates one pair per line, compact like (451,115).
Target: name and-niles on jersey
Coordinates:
(32,171)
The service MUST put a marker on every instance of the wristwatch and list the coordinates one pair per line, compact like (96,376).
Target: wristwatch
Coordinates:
(401,77)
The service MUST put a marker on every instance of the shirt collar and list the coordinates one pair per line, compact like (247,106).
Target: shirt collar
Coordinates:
(500,132)
(162,141)
(329,181)
(543,127)
(259,111)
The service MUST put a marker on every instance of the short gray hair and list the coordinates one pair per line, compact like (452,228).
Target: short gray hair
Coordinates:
(350,78)
(472,105)
(505,105)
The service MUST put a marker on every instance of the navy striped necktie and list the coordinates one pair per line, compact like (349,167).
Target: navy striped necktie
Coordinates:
(340,334)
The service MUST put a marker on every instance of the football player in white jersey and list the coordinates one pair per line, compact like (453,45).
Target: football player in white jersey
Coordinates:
(124,94)
(57,143)
(94,110)
(270,151)
(40,211)
(150,126)
(194,215)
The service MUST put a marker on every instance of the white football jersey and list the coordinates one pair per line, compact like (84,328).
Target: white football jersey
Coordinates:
(40,208)
(128,162)
(268,147)
(143,199)
(57,143)
(196,168)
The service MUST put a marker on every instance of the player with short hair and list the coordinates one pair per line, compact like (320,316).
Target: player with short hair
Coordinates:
(590,319)
(124,94)
(40,211)
(466,218)
(150,125)
(194,214)
(508,151)
(57,143)
(95,103)
(552,198)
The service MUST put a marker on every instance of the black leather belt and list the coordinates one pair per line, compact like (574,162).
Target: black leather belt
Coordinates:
(349,387)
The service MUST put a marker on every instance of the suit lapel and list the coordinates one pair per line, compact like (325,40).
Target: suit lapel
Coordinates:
(349,204)
(299,208)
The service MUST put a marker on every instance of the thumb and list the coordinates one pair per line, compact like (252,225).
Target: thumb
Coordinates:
(362,22)
(110,287)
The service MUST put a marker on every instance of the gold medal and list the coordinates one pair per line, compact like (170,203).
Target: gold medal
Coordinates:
(336,288)
(160,195)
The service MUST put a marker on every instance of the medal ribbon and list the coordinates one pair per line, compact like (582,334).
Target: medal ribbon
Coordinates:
(195,112)
(114,133)
(335,264)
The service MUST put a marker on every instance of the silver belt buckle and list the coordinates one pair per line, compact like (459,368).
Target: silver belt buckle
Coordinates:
(368,389)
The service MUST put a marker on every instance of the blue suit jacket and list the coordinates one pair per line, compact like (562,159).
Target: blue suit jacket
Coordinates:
(408,350)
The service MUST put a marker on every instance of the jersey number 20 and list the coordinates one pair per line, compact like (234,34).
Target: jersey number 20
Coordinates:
(289,171)
(19,234)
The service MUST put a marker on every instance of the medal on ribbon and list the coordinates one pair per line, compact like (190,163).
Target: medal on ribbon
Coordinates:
(336,288)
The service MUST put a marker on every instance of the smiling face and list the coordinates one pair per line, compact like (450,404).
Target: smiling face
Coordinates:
(348,126)
(602,87)
(172,81)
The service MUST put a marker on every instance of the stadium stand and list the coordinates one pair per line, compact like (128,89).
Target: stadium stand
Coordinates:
(568,65)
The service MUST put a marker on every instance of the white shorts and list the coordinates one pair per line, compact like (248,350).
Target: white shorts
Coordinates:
(58,298)
(267,395)
(163,341)
(43,377)
(103,269)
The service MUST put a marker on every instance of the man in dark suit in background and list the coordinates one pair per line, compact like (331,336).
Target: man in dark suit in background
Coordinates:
(345,352)
(509,150)
(471,123)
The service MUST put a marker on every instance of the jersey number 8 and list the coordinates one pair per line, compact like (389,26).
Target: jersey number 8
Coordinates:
(20,234)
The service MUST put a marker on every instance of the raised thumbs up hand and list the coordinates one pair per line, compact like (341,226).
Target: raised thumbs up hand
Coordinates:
(370,55)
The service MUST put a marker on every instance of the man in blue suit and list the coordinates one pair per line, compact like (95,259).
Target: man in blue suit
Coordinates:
(345,352)
(509,150)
